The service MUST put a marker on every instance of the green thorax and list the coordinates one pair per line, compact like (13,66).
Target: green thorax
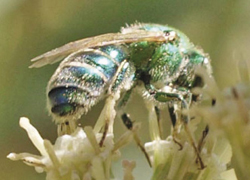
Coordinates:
(141,54)
(160,60)
(168,62)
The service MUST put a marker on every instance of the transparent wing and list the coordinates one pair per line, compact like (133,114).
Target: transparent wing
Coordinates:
(60,53)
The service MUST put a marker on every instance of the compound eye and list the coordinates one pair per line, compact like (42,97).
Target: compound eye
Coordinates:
(172,36)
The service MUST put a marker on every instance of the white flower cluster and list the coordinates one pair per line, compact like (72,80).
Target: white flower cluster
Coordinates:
(171,163)
(230,117)
(77,156)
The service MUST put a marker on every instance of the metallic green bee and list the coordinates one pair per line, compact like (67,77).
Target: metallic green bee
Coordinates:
(159,59)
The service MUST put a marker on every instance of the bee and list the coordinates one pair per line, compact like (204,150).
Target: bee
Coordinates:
(158,59)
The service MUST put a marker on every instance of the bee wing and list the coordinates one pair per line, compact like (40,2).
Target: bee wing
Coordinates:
(60,53)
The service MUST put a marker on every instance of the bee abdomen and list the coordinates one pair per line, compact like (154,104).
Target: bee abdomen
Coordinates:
(81,80)
(59,98)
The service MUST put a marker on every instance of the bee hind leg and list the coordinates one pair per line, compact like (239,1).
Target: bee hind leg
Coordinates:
(121,81)
(106,119)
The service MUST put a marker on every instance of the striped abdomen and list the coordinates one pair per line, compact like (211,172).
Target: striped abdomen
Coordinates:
(82,79)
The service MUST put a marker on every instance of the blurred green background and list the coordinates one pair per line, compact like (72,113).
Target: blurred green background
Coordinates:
(29,28)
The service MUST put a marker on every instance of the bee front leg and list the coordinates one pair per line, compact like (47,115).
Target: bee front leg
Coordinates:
(177,97)
(186,119)
(167,97)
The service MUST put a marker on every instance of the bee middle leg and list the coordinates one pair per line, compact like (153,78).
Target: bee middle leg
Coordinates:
(129,124)
(158,115)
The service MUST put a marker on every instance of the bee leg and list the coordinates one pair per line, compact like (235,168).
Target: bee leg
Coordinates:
(154,129)
(119,82)
(158,115)
(186,120)
(124,100)
(127,121)
(175,127)
(170,96)
(203,137)
(67,127)
(213,102)
(121,106)
(106,118)
(204,132)
(129,124)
